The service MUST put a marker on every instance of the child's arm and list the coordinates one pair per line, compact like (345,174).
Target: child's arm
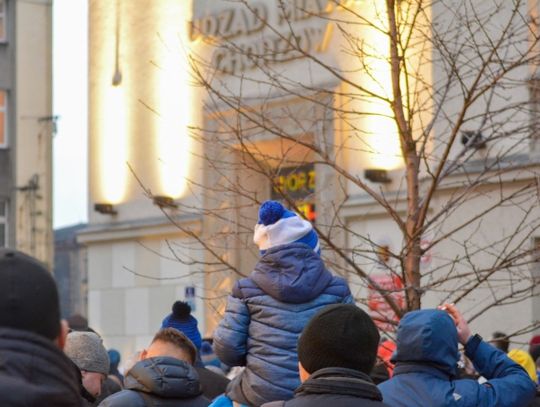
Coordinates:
(230,337)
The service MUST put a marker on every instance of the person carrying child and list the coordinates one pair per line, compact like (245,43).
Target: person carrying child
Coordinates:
(268,310)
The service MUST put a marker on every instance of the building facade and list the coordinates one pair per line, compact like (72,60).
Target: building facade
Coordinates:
(201,110)
(26,127)
(70,271)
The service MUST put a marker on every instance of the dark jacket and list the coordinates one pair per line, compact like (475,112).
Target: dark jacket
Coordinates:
(160,382)
(212,383)
(265,316)
(34,372)
(109,386)
(88,400)
(536,400)
(426,368)
(335,387)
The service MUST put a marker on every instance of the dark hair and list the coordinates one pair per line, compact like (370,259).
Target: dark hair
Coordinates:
(500,341)
(178,339)
(535,353)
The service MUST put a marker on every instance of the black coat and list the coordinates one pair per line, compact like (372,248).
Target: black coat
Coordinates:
(34,372)
(335,387)
(536,401)
(212,383)
(159,382)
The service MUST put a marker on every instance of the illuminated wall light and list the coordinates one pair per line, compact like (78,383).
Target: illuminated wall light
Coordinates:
(174,99)
(113,145)
(112,141)
(379,126)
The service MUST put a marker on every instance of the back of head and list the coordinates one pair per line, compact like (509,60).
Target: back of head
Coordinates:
(77,322)
(86,350)
(535,353)
(428,336)
(278,226)
(114,359)
(182,320)
(500,341)
(525,360)
(534,343)
(339,335)
(172,343)
(28,295)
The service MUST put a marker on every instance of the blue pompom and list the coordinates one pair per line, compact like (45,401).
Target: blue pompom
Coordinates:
(270,212)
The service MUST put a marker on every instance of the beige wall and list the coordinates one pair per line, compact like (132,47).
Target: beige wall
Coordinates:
(128,123)
(134,278)
(33,106)
(486,241)
(139,262)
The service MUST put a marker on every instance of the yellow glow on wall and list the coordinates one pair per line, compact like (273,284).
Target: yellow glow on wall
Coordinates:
(380,128)
(174,98)
(113,145)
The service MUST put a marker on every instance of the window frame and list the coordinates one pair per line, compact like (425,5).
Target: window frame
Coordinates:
(4,110)
(3,18)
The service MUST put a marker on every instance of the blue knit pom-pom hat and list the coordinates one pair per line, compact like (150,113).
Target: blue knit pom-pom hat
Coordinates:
(182,320)
(277,226)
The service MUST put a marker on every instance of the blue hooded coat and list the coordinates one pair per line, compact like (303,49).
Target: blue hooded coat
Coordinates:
(426,368)
(264,318)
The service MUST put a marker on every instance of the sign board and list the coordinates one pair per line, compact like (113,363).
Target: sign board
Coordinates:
(286,25)
(379,309)
(189,295)
(298,184)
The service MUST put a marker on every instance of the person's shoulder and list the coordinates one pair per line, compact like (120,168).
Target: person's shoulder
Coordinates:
(245,288)
(274,404)
(124,398)
(338,286)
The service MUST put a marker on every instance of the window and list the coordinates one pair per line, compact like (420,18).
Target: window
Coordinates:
(3,34)
(3,117)
(3,223)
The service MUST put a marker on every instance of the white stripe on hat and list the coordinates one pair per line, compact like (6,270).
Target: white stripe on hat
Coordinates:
(284,231)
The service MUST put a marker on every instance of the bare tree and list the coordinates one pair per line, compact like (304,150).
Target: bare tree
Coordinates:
(440,94)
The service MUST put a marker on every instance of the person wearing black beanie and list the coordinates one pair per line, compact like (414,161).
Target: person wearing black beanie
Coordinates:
(336,352)
(33,369)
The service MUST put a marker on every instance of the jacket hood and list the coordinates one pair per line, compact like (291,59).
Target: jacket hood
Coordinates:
(165,377)
(34,372)
(428,337)
(291,273)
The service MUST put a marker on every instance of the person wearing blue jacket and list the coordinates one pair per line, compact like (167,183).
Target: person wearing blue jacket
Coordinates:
(268,310)
(426,366)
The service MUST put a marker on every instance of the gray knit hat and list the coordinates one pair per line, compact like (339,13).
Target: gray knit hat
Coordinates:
(86,350)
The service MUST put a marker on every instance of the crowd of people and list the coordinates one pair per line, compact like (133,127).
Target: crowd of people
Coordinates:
(291,336)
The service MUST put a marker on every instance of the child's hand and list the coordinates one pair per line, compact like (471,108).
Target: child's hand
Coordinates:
(463,330)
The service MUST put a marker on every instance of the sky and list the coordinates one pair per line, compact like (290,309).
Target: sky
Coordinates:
(70,102)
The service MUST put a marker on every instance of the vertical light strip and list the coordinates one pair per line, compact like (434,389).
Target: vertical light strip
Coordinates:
(113,142)
(113,145)
(379,126)
(174,97)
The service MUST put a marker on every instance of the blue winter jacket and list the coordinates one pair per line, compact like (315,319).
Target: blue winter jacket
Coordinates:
(426,367)
(265,316)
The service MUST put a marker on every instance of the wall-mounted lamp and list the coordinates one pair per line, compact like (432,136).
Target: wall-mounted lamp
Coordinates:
(377,175)
(473,139)
(105,208)
(164,201)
